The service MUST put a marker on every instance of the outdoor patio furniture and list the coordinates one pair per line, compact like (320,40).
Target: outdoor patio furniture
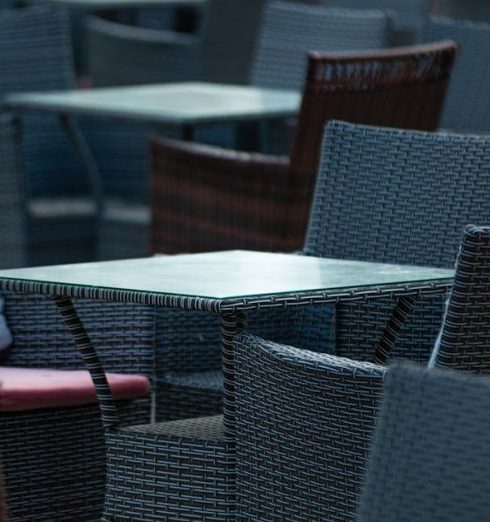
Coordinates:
(304,420)
(221,51)
(13,226)
(426,183)
(467,107)
(54,457)
(430,460)
(409,16)
(185,470)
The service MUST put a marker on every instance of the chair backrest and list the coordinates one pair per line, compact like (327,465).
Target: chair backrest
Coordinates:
(464,342)
(13,226)
(304,422)
(409,15)
(396,196)
(36,50)
(36,55)
(402,88)
(431,456)
(467,107)
(290,31)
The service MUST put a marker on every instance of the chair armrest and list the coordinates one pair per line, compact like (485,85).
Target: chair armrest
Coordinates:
(206,198)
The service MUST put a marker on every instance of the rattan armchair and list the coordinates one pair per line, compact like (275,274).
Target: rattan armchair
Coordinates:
(467,107)
(54,459)
(305,420)
(193,209)
(431,457)
(426,183)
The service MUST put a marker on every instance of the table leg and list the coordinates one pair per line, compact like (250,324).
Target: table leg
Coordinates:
(87,159)
(231,323)
(89,356)
(387,341)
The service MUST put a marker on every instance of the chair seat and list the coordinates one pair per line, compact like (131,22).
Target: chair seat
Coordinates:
(31,388)
(200,428)
(211,380)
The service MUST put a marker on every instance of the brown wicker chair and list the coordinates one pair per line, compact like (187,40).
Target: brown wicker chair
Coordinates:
(206,198)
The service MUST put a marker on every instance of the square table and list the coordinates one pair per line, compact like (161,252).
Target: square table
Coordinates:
(184,105)
(227,283)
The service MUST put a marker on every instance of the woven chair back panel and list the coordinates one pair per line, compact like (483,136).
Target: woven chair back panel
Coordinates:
(465,339)
(123,334)
(290,31)
(301,436)
(431,457)
(387,195)
(190,341)
(13,226)
(467,107)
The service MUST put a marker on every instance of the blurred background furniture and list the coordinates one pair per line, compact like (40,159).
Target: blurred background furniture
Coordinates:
(302,443)
(205,198)
(288,32)
(467,107)
(431,456)
(409,16)
(476,10)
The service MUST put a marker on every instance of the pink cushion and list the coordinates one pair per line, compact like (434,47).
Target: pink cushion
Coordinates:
(32,388)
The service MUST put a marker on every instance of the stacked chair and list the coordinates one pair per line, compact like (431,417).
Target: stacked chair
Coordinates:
(468,107)
(382,195)
(288,32)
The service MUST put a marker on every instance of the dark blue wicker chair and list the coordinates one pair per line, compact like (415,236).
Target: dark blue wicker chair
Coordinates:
(305,420)
(467,107)
(430,460)
(409,16)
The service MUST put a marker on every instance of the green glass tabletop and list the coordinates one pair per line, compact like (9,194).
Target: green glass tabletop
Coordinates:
(177,103)
(229,274)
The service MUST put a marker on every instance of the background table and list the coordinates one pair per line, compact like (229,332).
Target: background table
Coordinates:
(226,283)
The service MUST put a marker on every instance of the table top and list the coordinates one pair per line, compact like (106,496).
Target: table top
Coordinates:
(175,103)
(221,275)
(119,4)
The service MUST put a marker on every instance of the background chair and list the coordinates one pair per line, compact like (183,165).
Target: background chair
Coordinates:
(426,183)
(409,16)
(13,229)
(467,107)
(431,456)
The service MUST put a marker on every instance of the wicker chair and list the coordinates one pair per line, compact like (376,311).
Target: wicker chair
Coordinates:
(221,51)
(54,459)
(13,230)
(467,107)
(410,15)
(426,183)
(305,420)
(431,456)
(284,26)
(193,210)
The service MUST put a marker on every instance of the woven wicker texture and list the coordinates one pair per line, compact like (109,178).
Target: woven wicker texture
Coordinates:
(54,459)
(395,196)
(467,107)
(431,457)
(304,423)
(173,471)
(290,30)
(13,229)
(408,20)
(464,339)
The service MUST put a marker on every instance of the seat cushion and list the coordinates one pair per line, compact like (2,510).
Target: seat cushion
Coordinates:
(31,388)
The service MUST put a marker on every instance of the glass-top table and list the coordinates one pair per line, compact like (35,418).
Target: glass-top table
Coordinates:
(227,283)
